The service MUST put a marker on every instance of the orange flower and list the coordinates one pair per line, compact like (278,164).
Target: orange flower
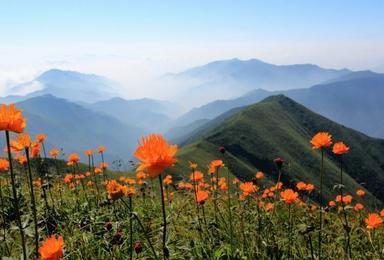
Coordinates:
(269,206)
(301,186)
(188,186)
(141,175)
(259,175)
(22,142)
(320,140)
(88,152)
(37,183)
(128,191)
(87,174)
(373,221)
(248,188)
(332,203)
(35,151)
(235,181)
(168,180)
(4,165)
(347,199)
(215,165)
(359,206)
(101,149)
(41,137)
(68,178)
(90,183)
(74,158)
(340,148)
(360,193)
(196,176)
(129,181)
(289,196)
(52,248)
(115,190)
(103,165)
(98,170)
(310,187)
(155,155)
(181,185)
(11,119)
(54,152)
(201,196)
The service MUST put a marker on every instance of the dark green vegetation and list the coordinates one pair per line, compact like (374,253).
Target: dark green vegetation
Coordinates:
(280,127)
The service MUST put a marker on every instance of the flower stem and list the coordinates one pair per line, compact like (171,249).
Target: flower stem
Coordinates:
(33,204)
(165,250)
(16,200)
(130,229)
(321,202)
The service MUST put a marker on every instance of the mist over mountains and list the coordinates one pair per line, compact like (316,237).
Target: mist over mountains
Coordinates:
(79,110)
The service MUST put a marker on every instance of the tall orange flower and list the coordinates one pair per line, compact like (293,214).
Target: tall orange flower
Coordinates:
(360,193)
(301,185)
(35,149)
(321,139)
(88,152)
(155,155)
(259,175)
(215,165)
(115,190)
(11,119)
(74,158)
(201,196)
(101,149)
(167,180)
(22,142)
(141,175)
(373,221)
(289,196)
(340,148)
(54,152)
(358,206)
(248,188)
(41,137)
(4,165)
(196,176)
(52,248)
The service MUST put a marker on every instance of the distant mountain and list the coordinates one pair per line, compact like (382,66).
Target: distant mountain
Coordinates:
(354,100)
(280,127)
(71,85)
(148,114)
(230,78)
(75,128)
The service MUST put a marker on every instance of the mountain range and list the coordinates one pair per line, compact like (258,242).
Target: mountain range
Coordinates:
(280,127)
(354,100)
(231,78)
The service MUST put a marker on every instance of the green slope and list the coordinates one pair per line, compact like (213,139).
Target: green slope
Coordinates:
(280,127)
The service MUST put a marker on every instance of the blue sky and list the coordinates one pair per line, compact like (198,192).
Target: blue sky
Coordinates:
(132,41)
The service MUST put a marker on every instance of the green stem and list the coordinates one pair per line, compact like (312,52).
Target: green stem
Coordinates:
(143,230)
(165,250)
(230,212)
(33,204)
(16,200)
(321,202)
(130,229)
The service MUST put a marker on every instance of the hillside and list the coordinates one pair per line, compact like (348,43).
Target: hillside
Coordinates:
(75,128)
(280,127)
(353,100)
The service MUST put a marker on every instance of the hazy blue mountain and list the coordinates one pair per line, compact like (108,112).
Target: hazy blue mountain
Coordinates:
(75,128)
(230,78)
(71,85)
(354,100)
(149,114)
